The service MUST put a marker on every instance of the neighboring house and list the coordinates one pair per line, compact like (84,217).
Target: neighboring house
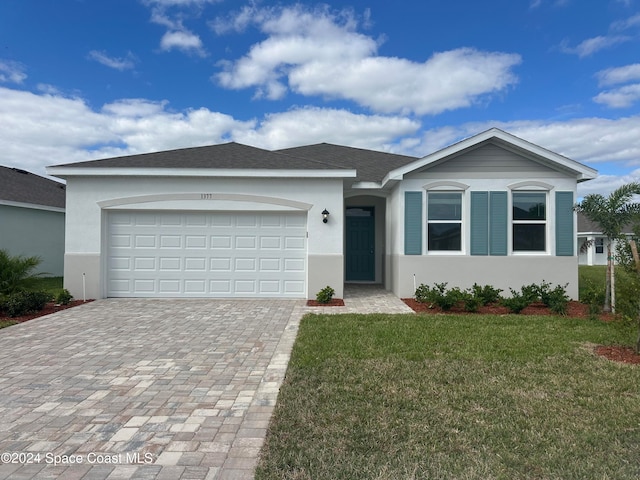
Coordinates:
(592,244)
(32,218)
(237,221)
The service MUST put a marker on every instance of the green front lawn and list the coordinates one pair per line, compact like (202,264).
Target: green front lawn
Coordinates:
(51,285)
(469,397)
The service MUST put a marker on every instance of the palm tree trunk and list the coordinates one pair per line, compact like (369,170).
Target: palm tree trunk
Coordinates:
(613,285)
(607,292)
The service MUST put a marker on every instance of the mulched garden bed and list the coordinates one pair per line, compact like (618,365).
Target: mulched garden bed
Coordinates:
(335,302)
(50,307)
(617,353)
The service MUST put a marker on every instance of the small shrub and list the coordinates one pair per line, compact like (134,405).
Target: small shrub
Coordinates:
(21,303)
(557,299)
(325,295)
(64,297)
(531,293)
(593,295)
(486,294)
(438,295)
(426,294)
(449,298)
(471,301)
(518,300)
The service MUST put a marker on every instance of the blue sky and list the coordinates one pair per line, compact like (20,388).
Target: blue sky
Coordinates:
(86,79)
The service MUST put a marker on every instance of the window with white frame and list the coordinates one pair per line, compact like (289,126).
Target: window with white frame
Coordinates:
(529,221)
(444,221)
(599,245)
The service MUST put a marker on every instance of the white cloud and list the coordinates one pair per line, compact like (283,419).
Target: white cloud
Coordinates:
(601,42)
(126,63)
(613,76)
(622,97)
(626,24)
(591,141)
(305,126)
(605,184)
(49,128)
(320,53)
(592,45)
(182,40)
(177,35)
(11,72)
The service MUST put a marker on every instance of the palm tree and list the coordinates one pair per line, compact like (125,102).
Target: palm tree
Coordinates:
(612,213)
(16,272)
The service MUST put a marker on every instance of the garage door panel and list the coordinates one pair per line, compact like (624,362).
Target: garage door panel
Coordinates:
(144,241)
(195,241)
(196,220)
(170,241)
(144,263)
(169,287)
(223,242)
(201,255)
(120,241)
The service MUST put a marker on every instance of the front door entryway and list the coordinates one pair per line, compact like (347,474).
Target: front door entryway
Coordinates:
(360,248)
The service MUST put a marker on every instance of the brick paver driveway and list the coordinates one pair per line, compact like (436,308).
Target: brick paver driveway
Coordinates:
(152,389)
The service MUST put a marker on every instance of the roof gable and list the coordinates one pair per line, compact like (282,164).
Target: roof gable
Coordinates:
(20,186)
(505,141)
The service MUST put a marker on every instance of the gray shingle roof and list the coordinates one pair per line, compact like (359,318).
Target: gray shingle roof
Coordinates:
(371,165)
(224,156)
(20,186)
(585,225)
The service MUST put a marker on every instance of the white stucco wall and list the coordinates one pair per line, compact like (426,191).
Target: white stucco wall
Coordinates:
(460,268)
(88,198)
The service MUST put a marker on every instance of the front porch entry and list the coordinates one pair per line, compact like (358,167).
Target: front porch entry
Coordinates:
(360,244)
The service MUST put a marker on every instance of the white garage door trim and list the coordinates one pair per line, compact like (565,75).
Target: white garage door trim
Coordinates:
(206,254)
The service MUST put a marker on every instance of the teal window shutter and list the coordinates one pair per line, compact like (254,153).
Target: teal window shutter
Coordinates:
(413,223)
(498,223)
(479,223)
(564,224)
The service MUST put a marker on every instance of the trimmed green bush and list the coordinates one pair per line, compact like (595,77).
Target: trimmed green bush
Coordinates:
(517,302)
(486,294)
(325,295)
(64,297)
(21,303)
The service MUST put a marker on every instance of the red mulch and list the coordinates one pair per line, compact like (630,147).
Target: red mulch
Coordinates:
(335,302)
(617,353)
(48,308)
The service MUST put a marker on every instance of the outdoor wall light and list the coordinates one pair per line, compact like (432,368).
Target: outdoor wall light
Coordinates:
(325,216)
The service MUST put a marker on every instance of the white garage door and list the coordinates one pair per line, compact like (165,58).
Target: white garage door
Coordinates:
(164,254)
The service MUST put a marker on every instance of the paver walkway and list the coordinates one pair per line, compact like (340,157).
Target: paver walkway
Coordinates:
(149,388)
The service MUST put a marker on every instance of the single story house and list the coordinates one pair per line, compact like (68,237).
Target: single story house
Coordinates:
(32,218)
(232,220)
(592,243)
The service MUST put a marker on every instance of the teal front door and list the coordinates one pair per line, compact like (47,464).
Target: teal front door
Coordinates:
(360,240)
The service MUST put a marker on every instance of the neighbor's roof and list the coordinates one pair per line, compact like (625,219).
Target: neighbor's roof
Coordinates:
(20,186)
(371,165)
(587,226)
